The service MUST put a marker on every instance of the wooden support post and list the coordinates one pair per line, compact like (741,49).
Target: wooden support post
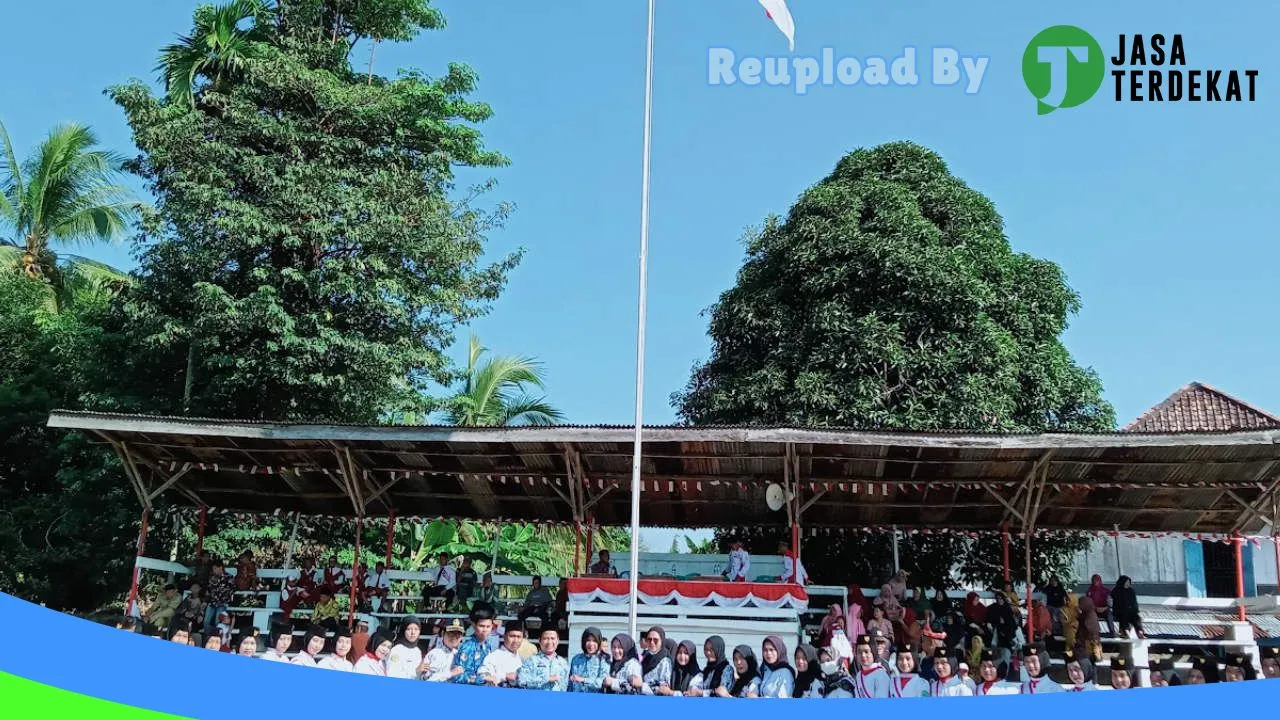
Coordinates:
(577,545)
(204,511)
(355,564)
(131,607)
(1004,537)
(591,548)
(897,564)
(1238,542)
(1031,634)
(391,536)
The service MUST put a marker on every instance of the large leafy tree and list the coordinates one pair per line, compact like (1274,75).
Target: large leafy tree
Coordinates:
(66,193)
(890,298)
(313,258)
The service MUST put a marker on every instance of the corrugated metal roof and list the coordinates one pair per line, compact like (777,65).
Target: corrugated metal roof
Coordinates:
(700,477)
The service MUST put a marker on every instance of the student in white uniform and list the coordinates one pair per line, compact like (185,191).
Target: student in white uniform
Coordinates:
(1079,672)
(625,676)
(374,661)
(869,676)
(443,583)
(947,684)
(739,563)
(1035,661)
(279,646)
(312,645)
(501,668)
(989,681)
(792,568)
(1270,662)
(405,660)
(906,682)
(440,660)
(248,646)
(376,587)
(337,660)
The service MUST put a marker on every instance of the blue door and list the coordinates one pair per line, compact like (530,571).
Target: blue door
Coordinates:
(1194,554)
(1246,555)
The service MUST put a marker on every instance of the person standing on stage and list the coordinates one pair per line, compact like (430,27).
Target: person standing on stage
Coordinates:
(792,569)
(739,563)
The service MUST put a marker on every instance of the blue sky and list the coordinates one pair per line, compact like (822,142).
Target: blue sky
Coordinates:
(1162,215)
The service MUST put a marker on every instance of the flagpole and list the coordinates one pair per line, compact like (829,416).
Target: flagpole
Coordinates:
(640,327)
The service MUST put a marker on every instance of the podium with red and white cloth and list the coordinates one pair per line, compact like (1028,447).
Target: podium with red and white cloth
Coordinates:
(741,613)
(690,593)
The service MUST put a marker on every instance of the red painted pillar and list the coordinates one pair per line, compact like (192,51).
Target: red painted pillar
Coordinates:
(1004,530)
(137,570)
(355,564)
(1239,546)
(204,511)
(391,535)
(1031,634)
(795,549)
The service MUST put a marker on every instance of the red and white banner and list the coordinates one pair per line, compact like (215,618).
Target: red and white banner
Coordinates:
(689,593)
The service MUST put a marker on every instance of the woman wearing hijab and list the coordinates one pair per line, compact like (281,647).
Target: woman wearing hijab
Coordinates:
(312,644)
(893,610)
(746,674)
(840,641)
(1089,630)
(686,676)
(655,663)
(906,682)
(406,657)
(879,622)
(1124,606)
(836,683)
(1055,597)
(373,662)
(1101,598)
(588,669)
(990,674)
(1079,672)
(977,648)
(947,684)
(809,680)
(869,676)
(625,675)
(829,620)
(1071,619)
(1238,668)
(777,677)
(974,611)
(718,674)
(1003,625)
(941,603)
(1035,660)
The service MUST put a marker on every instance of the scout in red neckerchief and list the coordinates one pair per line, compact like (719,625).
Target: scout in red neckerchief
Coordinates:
(989,681)
(1121,673)
(299,587)
(1036,660)
(906,683)
(1079,672)
(948,684)
(1271,663)
(870,677)
(335,577)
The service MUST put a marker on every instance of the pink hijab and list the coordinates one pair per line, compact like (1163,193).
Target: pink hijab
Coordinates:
(892,608)
(853,624)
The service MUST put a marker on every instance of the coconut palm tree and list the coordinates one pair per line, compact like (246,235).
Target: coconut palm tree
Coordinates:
(225,38)
(65,193)
(494,393)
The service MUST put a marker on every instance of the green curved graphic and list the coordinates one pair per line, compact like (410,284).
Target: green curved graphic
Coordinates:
(26,698)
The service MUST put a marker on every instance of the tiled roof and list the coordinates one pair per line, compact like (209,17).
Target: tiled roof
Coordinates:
(1200,408)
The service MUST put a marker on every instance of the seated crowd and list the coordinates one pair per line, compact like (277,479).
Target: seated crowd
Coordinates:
(905,643)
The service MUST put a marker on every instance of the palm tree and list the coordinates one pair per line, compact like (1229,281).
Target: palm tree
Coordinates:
(493,393)
(65,193)
(218,49)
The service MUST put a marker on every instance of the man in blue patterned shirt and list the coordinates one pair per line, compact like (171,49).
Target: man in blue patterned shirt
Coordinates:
(473,651)
(546,670)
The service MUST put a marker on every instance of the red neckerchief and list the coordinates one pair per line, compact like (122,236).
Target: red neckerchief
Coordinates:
(376,662)
(862,678)
(987,685)
(940,683)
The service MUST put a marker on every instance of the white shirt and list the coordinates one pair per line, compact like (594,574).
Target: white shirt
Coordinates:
(446,577)
(272,656)
(873,683)
(1040,685)
(304,660)
(338,574)
(377,581)
(498,664)
(953,687)
(739,564)
(440,660)
(910,685)
(789,574)
(403,662)
(999,687)
(840,643)
(369,666)
(333,662)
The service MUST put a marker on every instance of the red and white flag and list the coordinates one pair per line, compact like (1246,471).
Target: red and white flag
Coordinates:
(781,16)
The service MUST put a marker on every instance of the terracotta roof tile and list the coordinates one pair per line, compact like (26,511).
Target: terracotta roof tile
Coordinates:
(1200,408)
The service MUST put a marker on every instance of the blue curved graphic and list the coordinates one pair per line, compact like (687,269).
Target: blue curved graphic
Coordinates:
(100,662)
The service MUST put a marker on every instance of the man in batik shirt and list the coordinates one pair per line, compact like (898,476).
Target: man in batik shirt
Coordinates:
(546,670)
(473,651)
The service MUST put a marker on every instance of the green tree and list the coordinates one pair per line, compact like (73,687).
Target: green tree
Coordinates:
(66,193)
(217,52)
(313,259)
(493,393)
(891,298)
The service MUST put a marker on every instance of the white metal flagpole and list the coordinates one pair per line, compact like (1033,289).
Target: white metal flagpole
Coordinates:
(640,326)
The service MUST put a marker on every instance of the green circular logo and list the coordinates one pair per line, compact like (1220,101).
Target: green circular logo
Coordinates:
(1063,67)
